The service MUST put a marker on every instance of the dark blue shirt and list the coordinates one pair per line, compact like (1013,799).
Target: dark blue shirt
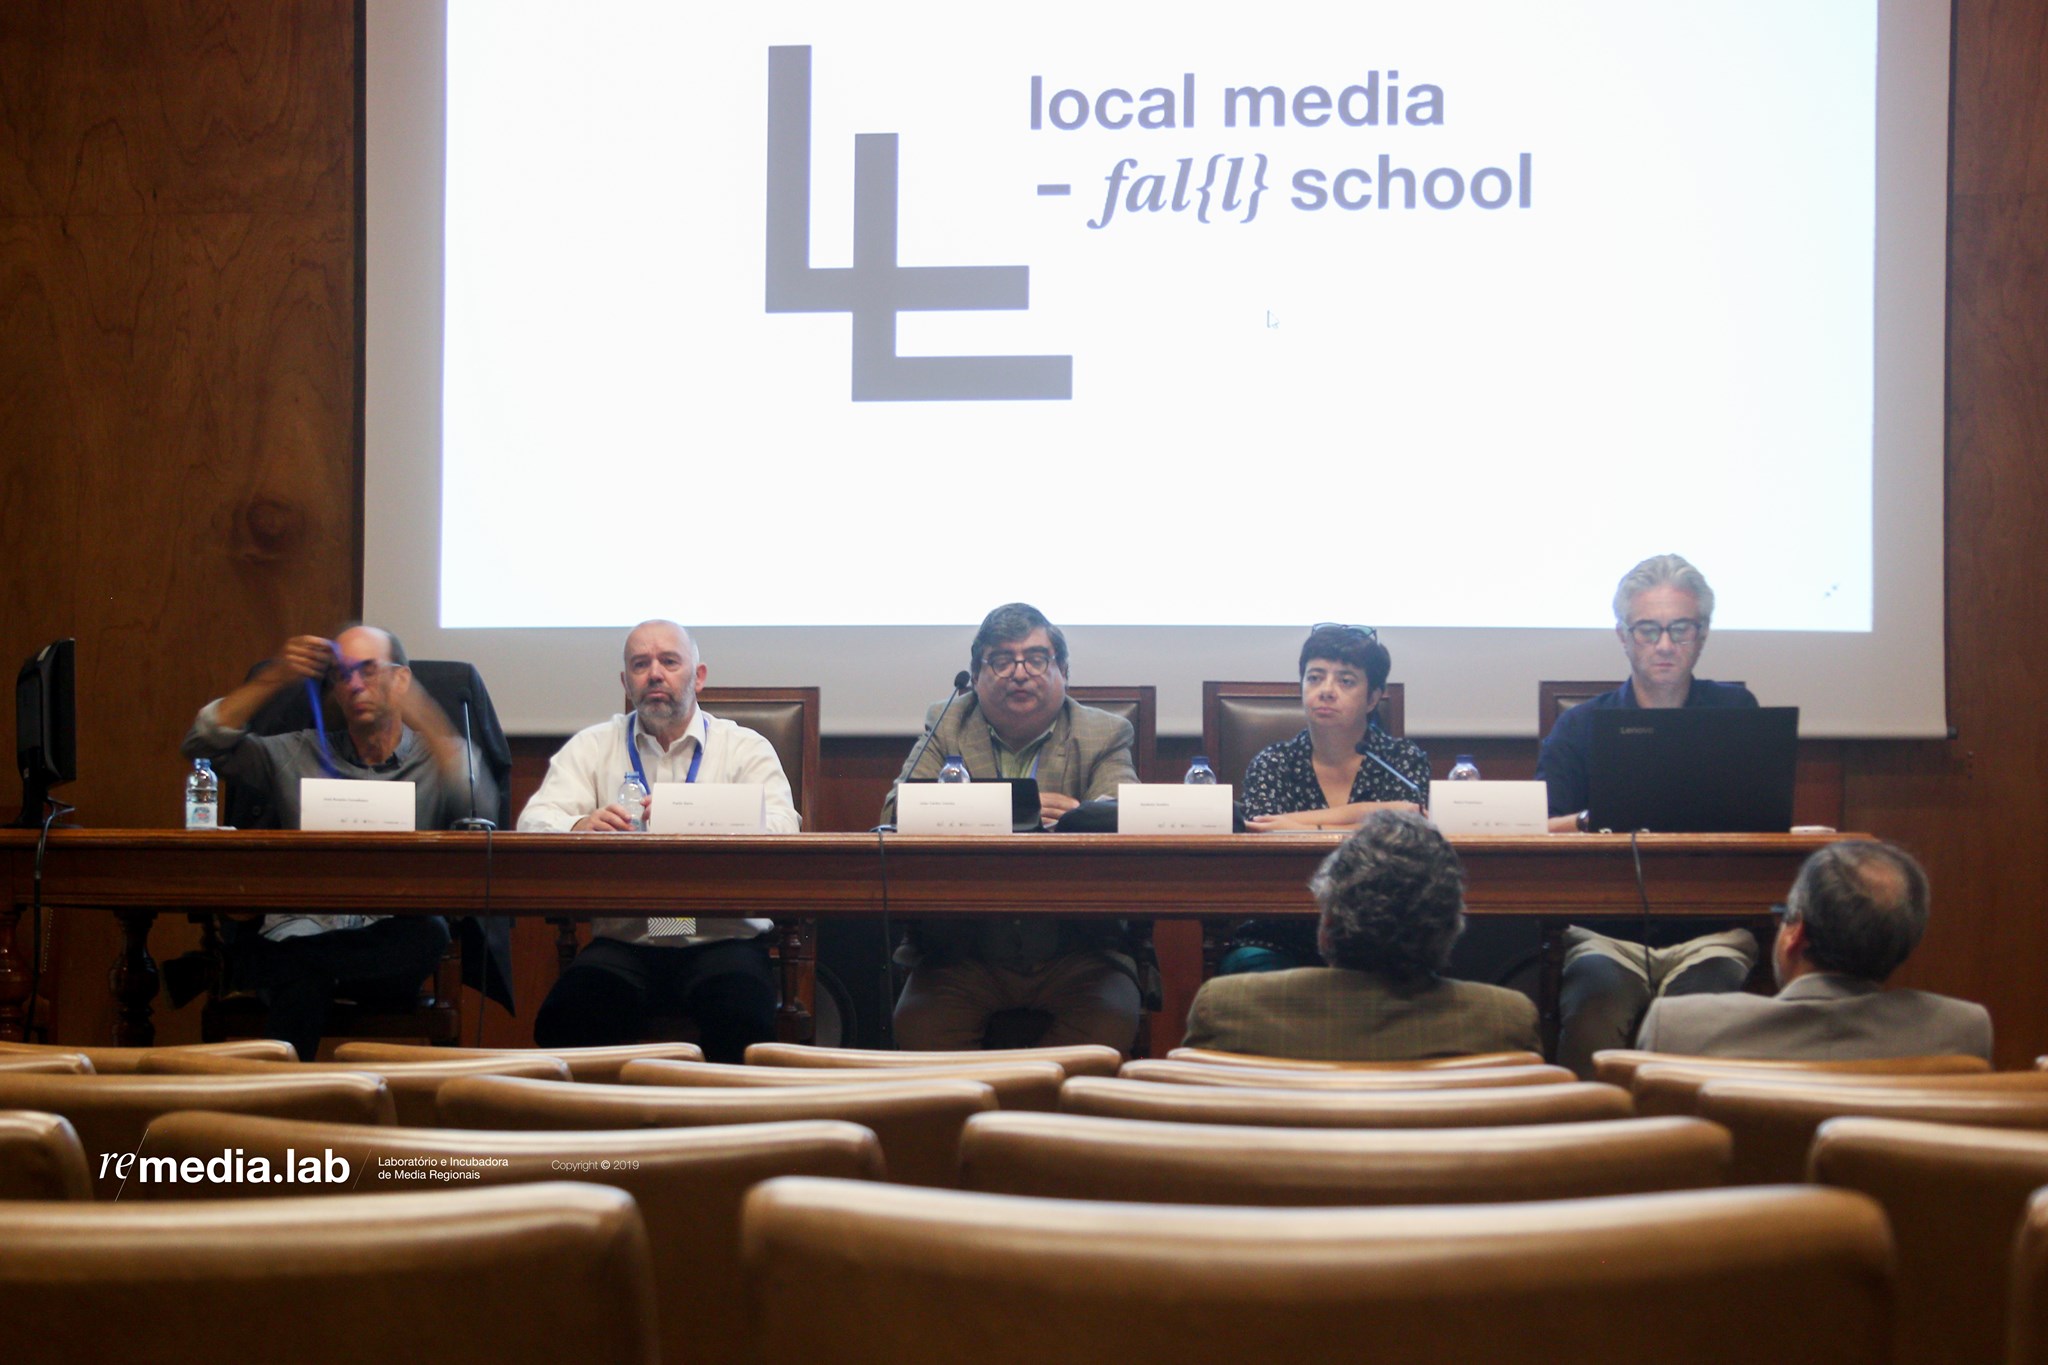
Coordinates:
(1568,750)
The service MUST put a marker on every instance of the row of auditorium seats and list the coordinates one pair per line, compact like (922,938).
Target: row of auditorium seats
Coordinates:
(1596,1193)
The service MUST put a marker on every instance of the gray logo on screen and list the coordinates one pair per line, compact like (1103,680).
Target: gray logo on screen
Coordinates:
(876,288)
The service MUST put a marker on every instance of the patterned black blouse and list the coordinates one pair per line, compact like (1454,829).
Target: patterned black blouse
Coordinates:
(1282,779)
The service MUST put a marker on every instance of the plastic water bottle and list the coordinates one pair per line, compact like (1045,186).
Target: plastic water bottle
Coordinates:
(1200,774)
(633,796)
(953,770)
(1464,770)
(202,797)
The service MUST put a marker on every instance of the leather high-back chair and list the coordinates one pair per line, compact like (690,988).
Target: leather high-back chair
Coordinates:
(866,1274)
(1080,1059)
(1017,1085)
(1954,1197)
(539,1273)
(41,1158)
(110,1113)
(688,1184)
(479,951)
(1198,1073)
(918,1122)
(1140,706)
(1773,1124)
(1578,1102)
(414,1086)
(584,1063)
(1241,718)
(1071,1156)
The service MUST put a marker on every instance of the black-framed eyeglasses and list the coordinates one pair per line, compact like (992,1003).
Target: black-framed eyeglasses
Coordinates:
(1683,631)
(1365,633)
(1034,662)
(1781,913)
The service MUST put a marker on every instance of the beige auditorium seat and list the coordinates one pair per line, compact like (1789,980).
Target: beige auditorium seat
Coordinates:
(1017,1085)
(918,1124)
(1673,1088)
(1072,1156)
(1773,1125)
(687,1182)
(1457,1078)
(584,1063)
(539,1273)
(1578,1102)
(1218,1057)
(1618,1066)
(116,1061)
(40,1157)
(49,1063)
(414,1085)
(877,1275)
(110,1113)
(1954,1197)
(2027,1337)
(1085,1059)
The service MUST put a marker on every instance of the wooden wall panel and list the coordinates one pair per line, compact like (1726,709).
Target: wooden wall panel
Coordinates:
(177,373)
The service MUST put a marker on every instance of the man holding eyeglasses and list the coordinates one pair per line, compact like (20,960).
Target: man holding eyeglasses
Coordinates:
(1020,723)
(391,732)
(1662,610)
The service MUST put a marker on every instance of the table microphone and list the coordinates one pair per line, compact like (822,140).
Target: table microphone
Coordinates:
(962,682)
(472,821)
(1399,776)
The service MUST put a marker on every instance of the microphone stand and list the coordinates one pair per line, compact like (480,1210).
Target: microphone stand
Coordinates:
(472,821)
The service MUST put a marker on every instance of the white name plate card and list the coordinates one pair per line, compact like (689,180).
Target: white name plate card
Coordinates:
(1172,808)
(342,803)
(1490,807)
(953,808)
(708,808)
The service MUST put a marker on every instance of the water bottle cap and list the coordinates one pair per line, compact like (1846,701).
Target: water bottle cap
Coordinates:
(1464,758)
(1201,759)
(952,758)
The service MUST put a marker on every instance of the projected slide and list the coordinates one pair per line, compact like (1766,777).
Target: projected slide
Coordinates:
(1163,313)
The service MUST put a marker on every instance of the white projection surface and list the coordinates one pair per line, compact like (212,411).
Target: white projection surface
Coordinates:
(825,327)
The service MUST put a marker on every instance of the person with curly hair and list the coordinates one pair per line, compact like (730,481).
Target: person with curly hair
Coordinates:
(1393,904)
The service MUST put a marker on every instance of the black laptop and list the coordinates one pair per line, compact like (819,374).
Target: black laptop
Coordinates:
(1706,770)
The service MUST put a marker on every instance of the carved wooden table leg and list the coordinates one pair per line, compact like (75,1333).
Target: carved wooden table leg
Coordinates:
(1550,984)
(796,945)
(14,978)
(134,981)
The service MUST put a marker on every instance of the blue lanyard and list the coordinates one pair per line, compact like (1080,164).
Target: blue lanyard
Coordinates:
(633,749)
(323,753)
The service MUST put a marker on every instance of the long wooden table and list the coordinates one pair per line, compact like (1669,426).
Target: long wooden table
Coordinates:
(138,874)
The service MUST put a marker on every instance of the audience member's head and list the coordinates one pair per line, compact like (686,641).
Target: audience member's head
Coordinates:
(1393,901)
(1858,907)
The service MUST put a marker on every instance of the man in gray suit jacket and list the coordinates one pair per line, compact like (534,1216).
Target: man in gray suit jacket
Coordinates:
(1856,911)
(1020,723)
(1393,901)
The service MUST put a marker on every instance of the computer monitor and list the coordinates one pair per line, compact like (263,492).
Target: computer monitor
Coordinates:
(45,727)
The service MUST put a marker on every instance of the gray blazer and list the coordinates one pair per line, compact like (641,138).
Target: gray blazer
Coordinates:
(1821,1016)
(1332,1014)
(1088,755)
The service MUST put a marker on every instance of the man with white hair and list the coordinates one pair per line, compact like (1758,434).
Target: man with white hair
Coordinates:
(715,970)
(1663,609)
